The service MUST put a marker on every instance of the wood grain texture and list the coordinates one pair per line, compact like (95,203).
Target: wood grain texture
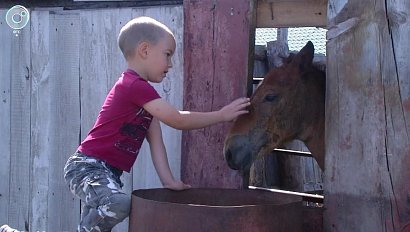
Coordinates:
(367,147)
(6,38)
(291,14)
(82,4)
(40,114)
(215,54)
(55,112)
(66,111)
(19,61)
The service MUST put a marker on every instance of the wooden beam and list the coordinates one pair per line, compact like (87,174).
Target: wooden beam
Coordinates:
(291,14)
(72,5)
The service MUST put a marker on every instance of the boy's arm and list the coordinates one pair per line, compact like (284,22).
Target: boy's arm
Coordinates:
(194,120)
(159,158)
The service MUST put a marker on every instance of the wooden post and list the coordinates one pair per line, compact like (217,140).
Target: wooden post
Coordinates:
(367,173)
(216,50)
(260,68)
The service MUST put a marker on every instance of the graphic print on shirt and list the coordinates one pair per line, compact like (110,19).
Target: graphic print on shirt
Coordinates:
(133,133)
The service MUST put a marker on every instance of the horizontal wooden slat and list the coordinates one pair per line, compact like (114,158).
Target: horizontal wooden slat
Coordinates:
(71,5)
(291,14)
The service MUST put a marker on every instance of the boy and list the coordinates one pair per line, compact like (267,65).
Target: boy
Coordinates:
(132,112)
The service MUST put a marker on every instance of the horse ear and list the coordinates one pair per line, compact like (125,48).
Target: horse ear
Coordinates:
(288,60)
(305,56)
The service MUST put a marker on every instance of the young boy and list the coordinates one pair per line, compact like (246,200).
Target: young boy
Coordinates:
(132,111)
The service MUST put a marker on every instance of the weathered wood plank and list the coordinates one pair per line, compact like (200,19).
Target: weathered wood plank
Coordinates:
(397,97)
(291,14)
(64,127)
(19,61)
(367,147)
(41,68)
(216,51)
(94,75)
(6,38)
(71,5)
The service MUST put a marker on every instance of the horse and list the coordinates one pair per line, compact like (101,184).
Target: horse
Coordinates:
(288,104)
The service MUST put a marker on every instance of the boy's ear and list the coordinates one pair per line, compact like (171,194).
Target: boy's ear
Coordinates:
(142,49)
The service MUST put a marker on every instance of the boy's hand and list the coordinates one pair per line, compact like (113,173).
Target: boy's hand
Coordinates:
(177,185)
(234,109)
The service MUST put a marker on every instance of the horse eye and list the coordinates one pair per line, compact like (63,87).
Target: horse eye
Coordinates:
(270,97)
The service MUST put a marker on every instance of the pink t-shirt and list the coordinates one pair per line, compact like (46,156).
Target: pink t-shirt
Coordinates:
(122,123)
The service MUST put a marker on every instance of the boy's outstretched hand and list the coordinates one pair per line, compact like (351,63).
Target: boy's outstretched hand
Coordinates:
(177,185)
(234,109)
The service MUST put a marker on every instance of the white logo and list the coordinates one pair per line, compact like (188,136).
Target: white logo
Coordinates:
(17,17)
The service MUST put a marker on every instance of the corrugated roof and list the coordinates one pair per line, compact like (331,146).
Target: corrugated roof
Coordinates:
(297,37)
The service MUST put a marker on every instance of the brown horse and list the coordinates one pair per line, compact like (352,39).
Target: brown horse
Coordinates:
(289,104)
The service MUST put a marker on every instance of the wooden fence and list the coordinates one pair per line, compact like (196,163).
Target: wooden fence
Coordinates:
(54,77)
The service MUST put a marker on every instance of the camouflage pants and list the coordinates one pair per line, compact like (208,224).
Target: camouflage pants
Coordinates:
(99,187)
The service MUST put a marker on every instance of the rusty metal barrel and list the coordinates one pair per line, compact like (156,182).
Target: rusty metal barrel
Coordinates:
(225,210)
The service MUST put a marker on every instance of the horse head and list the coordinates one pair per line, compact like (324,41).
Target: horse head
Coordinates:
(288,104)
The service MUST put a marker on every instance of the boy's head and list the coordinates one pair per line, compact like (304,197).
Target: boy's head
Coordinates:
(145,40)
(138,30)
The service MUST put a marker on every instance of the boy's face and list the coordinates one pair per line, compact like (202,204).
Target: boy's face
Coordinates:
(159,58)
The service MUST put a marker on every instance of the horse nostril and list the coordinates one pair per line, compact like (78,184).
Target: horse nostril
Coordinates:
(228,155)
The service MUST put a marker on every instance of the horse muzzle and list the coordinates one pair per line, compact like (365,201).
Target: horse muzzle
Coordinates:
(238,152)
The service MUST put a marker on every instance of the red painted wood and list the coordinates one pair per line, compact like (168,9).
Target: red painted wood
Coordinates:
(216,46)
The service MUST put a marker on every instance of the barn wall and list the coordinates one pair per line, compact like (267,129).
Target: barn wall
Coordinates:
(53,79)
(216,51)
(367,171)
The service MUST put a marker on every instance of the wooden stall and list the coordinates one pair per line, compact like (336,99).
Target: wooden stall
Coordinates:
(218,54)
(367,106)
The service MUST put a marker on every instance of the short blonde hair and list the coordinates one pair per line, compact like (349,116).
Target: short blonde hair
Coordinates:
(138,30)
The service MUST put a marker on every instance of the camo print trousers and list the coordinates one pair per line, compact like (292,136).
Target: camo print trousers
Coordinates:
(99,187)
